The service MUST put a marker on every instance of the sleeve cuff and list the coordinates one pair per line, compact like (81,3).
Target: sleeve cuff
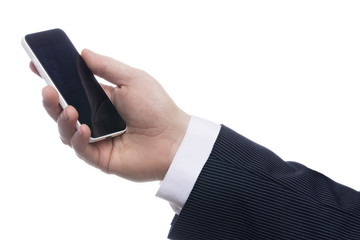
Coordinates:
(188,162)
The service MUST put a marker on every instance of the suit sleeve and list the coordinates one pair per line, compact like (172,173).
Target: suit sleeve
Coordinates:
(245,191)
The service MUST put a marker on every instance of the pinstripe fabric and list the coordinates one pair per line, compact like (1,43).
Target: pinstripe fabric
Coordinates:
(247,192)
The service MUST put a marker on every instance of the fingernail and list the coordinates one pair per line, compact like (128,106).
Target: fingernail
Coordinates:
(64,116)
(80,131)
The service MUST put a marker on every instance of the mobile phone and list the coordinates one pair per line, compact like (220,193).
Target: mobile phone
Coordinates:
(61,66)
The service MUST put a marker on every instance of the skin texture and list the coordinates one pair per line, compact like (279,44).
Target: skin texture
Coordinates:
(155,125)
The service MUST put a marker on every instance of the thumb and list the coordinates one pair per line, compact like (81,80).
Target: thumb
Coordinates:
(108,68)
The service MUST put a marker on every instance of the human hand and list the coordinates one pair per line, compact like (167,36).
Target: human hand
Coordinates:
(155,125)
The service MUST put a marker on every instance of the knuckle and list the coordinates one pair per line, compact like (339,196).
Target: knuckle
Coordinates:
(66,142)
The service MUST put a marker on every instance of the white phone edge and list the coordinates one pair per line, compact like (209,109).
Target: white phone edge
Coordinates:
(48,80)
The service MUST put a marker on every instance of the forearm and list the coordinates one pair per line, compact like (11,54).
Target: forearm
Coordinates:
(249,191)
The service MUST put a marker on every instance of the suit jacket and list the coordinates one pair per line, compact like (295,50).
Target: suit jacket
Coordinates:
(245,191)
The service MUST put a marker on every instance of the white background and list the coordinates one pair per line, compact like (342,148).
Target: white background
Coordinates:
(283,73)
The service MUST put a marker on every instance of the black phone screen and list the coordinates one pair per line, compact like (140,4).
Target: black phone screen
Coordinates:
(75,82)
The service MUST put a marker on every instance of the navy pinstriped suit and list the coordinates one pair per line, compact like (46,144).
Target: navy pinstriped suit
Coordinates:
(247,192)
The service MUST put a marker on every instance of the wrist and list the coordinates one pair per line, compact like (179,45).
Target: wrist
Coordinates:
(189,159)
(181,121)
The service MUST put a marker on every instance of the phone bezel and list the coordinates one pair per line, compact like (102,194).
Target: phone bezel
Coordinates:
(62,101)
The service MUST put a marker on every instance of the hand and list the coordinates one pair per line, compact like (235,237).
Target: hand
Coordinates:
(155,125)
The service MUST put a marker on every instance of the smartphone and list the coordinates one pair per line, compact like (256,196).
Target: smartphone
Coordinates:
(61,66)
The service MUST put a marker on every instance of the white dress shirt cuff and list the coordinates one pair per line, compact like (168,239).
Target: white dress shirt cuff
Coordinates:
(188,162)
